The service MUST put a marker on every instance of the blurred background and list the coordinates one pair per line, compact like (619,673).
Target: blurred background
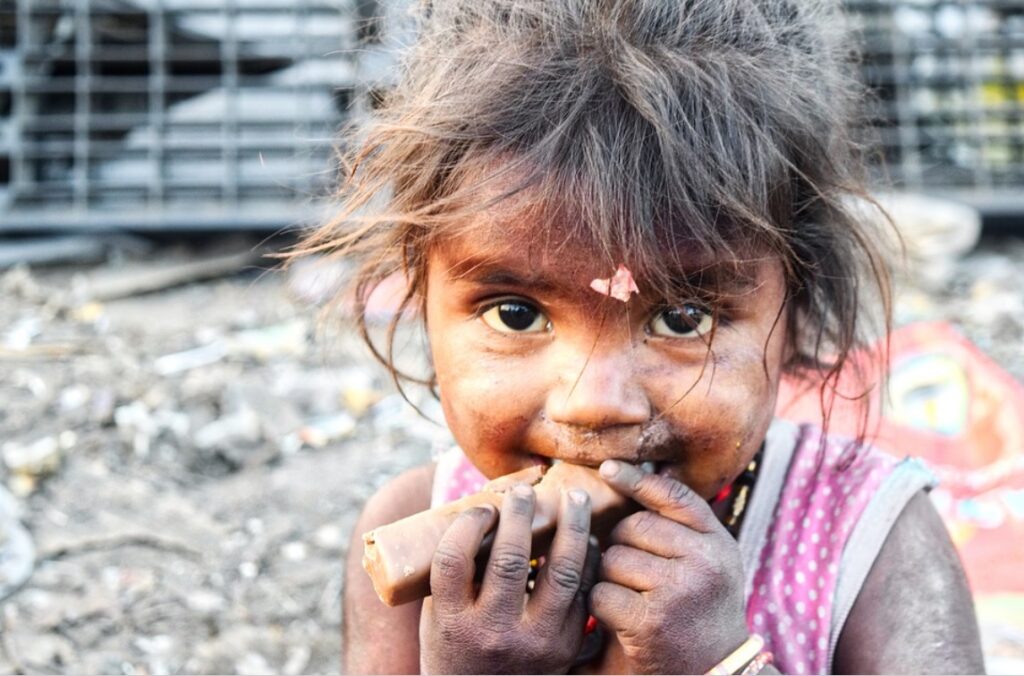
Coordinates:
(185,447)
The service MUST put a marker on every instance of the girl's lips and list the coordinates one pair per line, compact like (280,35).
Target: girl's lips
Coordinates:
(648,466)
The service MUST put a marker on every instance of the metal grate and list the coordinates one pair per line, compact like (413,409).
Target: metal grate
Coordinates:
(949,80)
(169,113)
(221,113)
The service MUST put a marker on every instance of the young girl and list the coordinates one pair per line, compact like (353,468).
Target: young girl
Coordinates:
(622,222)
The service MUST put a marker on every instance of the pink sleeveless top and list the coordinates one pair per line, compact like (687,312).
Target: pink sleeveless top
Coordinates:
(816,519)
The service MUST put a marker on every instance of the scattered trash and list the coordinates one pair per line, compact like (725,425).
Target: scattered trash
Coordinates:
(178,362)
(74,398)
(242,427)
(253,664)
(288,339)
(22,333)
(140,427)
(88,312)
(205,603)
(322,431)
(294,551)
(329,537)
(298,658)
(133,280)
(28,462)
(17,552)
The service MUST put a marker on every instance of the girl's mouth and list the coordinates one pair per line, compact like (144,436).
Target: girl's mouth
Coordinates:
(648,466)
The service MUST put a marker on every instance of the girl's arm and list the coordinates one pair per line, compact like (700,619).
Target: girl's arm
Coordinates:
(377,639)
(914,613)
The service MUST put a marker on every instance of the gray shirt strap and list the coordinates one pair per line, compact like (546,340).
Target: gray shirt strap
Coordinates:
(779,443)
(866,540)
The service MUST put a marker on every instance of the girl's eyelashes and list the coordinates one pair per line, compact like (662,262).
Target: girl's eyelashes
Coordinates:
(515,316)
(683,321)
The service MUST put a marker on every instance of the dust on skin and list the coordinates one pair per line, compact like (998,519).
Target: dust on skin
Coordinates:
(596,384)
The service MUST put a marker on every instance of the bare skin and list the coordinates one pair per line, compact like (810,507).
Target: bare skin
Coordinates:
(594,381)
(914,614)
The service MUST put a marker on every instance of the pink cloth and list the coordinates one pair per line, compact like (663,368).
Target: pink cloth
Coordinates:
(791,600)
(791,604)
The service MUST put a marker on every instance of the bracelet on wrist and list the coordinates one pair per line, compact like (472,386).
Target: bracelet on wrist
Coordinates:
(757,665)
(747,655)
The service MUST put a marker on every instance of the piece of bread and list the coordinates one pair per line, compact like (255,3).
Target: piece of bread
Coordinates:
(398,556)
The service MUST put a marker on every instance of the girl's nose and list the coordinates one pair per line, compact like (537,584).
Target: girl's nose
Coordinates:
(598,392)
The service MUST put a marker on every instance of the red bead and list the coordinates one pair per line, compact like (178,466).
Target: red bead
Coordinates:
(724,493)
(591,625)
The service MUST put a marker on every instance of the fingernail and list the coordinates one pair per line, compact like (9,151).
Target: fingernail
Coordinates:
(522,490)
(577,496)
(609,468)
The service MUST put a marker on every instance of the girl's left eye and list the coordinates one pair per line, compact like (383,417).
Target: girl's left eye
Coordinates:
(515,317)
(685,321)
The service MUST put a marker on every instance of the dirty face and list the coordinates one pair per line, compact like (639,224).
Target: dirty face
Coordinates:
(533,365)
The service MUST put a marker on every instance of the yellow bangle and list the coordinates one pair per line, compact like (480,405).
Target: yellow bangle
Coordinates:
(738,659)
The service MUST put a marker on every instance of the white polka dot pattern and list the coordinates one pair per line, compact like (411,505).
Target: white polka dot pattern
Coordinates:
(794,586)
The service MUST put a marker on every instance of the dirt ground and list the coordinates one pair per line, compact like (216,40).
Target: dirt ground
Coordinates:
(189,462)
(180,523)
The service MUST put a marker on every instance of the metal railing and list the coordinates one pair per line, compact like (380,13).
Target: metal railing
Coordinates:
(949,84)
(169,113)
(223,113)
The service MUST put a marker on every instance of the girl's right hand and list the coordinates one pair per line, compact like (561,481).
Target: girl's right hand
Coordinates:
(501,629)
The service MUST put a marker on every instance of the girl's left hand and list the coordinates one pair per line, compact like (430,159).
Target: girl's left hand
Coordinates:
(671,583)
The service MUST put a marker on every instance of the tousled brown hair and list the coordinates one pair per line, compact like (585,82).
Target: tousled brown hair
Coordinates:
(727,126)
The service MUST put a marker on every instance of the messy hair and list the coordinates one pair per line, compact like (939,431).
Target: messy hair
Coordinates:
(721,127)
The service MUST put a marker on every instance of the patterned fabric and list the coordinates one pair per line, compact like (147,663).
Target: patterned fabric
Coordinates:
(793,592)
(791,603)
(455,477)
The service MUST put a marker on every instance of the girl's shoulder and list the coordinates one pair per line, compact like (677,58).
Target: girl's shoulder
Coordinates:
(820,513)
(367,623)
(401,496)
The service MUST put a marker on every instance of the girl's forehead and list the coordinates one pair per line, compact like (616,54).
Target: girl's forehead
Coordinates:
(499,248)
(514,246)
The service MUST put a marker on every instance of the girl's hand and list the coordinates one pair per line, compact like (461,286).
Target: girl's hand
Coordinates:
(671,583)
(501,629)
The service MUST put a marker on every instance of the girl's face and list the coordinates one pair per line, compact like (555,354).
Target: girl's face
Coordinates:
(532,364)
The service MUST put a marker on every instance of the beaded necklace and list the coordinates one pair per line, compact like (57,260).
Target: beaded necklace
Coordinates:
(739,490)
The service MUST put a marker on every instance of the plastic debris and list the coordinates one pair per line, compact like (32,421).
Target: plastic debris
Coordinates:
(17,551)
(37,458)
(322,431)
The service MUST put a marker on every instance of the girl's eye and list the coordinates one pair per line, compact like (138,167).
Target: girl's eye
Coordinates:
(515,317)
(686,321)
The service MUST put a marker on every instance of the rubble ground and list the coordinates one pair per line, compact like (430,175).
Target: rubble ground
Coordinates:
(190,461)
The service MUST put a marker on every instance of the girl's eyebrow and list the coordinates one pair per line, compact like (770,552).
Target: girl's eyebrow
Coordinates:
(717,277)
(489,273)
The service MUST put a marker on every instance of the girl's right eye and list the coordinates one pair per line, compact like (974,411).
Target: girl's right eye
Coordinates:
(513,316)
